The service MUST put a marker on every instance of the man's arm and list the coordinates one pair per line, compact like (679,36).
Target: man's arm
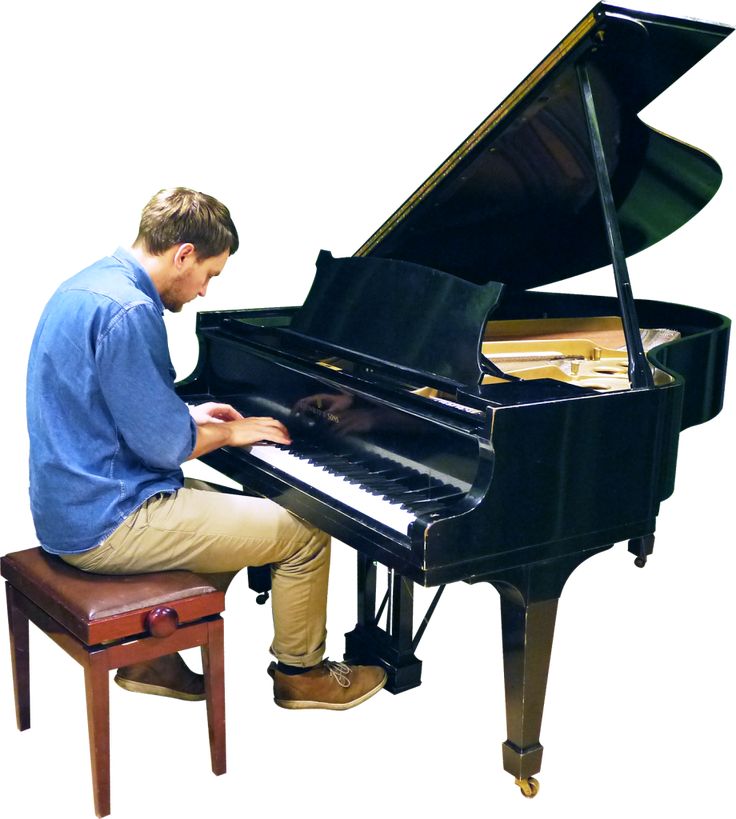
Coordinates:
(138,386)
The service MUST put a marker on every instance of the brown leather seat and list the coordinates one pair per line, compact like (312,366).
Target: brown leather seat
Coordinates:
(108,621)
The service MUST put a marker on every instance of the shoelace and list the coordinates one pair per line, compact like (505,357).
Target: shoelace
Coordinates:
(339,671)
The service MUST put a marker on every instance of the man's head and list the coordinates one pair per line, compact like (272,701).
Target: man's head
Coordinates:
(184,239)
(180,215)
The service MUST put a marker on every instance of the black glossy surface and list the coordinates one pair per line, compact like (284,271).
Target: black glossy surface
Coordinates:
(542,472)
(519,202)
(362,305)
(524,480)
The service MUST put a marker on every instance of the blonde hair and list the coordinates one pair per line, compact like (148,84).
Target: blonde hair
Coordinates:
(177,215)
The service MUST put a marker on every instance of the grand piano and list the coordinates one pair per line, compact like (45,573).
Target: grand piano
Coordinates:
(452,423)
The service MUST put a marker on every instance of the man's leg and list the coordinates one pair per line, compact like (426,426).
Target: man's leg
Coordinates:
(210,532)
(217,533)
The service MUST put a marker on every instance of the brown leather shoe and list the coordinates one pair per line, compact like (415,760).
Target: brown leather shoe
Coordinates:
(335,686)
(167,676)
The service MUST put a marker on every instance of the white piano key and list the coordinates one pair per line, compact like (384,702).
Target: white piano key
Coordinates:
(353,495)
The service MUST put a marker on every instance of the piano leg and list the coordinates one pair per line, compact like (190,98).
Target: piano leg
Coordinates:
(529,597)
(527,646)
(392,648)
(366,591)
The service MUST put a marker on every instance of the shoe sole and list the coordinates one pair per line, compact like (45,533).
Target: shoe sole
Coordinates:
(157,690)
(330,706)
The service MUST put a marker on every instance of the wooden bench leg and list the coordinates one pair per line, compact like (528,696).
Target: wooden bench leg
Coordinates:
(213,665)
(97,684)
(18,628)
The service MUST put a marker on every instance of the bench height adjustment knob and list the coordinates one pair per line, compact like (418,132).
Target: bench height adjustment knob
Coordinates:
(162,621)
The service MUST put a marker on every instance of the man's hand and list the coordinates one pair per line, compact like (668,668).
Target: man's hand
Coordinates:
(240,431)
(251,430)
(212,412)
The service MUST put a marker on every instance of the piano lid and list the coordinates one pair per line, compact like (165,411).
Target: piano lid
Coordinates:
(517,201)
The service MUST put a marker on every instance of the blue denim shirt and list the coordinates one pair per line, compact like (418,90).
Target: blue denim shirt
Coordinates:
(107,431)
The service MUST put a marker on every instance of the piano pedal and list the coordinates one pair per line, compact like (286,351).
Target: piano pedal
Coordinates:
(642,547)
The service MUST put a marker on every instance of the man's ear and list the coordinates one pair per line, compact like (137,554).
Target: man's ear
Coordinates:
(184,252)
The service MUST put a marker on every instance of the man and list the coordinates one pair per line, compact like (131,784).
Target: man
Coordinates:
(108,435)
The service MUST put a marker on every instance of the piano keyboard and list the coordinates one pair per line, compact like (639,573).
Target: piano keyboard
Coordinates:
(383,490)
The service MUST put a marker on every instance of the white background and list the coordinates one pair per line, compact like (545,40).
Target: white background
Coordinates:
(313,122)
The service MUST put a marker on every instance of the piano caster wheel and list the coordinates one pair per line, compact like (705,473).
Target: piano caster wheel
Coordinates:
(529,787)
(262,598)
(641,548)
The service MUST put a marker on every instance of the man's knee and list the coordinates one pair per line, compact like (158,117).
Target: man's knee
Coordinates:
(314,545)
(318,543)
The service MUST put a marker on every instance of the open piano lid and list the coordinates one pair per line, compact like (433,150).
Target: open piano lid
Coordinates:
(518,203)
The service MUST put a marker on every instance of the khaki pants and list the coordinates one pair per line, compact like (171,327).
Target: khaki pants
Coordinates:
(217,534)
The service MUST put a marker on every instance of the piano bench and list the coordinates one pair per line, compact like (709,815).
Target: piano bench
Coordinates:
(109,621)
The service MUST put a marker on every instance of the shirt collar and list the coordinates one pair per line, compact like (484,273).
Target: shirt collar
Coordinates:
(139,275)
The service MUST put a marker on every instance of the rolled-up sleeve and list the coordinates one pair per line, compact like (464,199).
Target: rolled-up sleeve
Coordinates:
(137,382)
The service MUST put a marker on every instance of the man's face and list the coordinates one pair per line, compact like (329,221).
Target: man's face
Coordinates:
(190,278)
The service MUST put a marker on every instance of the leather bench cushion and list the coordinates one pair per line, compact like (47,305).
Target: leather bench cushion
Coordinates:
(85,603)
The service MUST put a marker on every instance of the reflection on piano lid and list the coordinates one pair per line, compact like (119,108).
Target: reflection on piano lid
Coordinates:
(517,202)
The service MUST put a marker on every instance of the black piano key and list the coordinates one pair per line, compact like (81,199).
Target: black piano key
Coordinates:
(380,487)
(404,486)
(373,464)
(385,476)
(405,497)
(348,469)
(427,507)
(363,466)
(303,450)
(410,497)
(428,504)
(446,496)
(395,481)
(357,460)
(352,474)
(421,482)
(332,463)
